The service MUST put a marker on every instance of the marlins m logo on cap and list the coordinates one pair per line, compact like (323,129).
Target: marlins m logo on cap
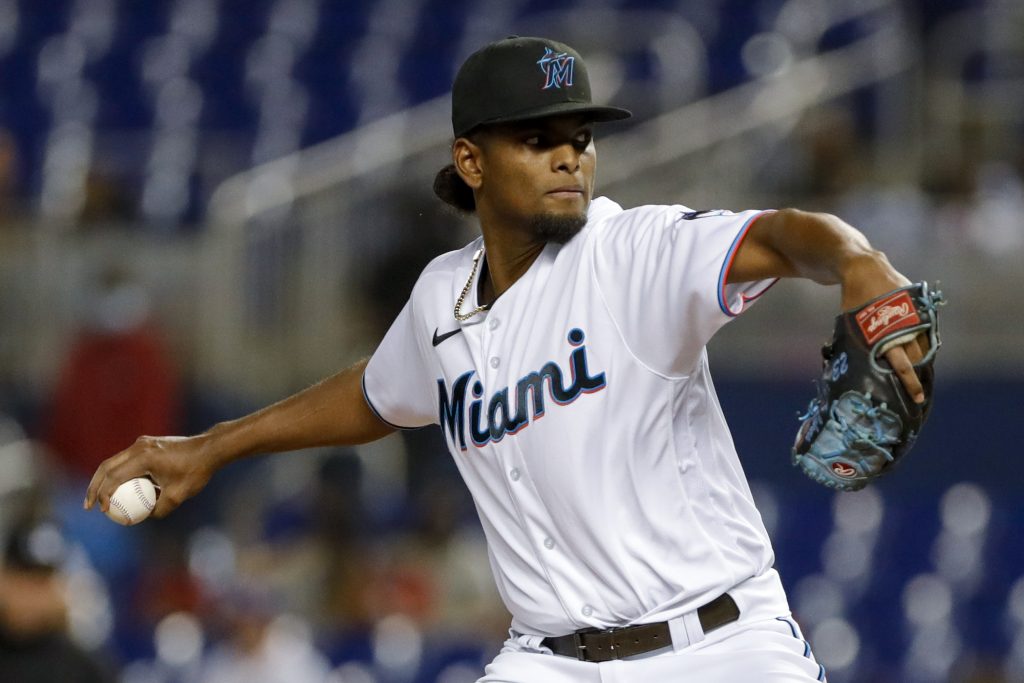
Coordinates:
(557,68)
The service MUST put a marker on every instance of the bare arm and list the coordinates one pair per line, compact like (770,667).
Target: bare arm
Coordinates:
(823,248)
(332,412)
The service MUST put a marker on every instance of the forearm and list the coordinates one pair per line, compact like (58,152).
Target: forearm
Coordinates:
(331,412)
(818,247)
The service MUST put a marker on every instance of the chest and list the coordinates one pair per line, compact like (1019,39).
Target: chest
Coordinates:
(544,346)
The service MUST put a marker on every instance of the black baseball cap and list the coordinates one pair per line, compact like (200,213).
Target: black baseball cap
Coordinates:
(517,79)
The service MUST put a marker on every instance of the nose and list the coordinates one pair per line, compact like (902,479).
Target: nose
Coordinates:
(565,158)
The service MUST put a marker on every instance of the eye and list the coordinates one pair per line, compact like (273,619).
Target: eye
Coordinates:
(583,138)
(532,140)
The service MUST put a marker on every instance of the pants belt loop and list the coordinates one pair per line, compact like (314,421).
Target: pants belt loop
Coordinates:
(533,642)
(693,627)
(530,642)
(686,631)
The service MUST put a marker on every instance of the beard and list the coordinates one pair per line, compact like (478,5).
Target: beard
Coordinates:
(556,227)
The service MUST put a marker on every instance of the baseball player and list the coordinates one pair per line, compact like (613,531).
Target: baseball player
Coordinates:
(562,354)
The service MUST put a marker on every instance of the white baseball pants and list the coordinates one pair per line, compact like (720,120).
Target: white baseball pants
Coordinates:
(764,650)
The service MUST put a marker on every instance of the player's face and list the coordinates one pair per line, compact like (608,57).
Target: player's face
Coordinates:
(539,175)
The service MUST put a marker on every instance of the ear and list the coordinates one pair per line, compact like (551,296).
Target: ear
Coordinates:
(466,156)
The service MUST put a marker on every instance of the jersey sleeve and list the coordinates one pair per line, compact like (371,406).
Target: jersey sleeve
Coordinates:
(662,272)
(397,381)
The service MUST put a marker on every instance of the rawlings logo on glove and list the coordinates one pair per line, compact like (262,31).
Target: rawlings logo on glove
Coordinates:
(863,421)
(895,312)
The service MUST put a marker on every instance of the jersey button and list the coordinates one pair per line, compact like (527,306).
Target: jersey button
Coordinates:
(549,543)
(514,474)
(495,362)
(494,323)
(587,610)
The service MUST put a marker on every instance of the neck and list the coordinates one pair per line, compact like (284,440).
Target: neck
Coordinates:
(505,266)
(509,254)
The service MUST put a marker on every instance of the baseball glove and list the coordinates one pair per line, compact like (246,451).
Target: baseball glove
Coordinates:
(862,422)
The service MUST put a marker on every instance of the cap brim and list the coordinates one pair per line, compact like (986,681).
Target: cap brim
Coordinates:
(592,112)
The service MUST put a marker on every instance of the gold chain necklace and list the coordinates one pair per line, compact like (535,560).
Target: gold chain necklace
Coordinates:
(461,317)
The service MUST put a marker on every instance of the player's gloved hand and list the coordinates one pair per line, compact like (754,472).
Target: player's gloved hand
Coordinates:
(875,390)
(179,466)
(903,356)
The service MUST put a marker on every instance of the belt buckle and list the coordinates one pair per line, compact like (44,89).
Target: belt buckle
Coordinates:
(583,652)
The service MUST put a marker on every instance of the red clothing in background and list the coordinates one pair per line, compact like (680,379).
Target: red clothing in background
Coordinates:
(112,389)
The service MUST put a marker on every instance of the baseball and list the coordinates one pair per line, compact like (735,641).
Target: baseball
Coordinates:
(133,501)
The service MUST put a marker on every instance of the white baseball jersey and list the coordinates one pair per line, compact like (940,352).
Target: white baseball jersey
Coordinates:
(582,416)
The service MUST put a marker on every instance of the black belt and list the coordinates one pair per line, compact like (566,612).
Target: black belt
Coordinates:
(595,645)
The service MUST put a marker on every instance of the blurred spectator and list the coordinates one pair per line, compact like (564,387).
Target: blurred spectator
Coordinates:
(438,575)
(996,226)
(10,201)
(105,200)
(34,643)
(117,381)
(164,584)
(20,465)
(260,646)
(449,545)
(399,258)
(833,146)
(434,229)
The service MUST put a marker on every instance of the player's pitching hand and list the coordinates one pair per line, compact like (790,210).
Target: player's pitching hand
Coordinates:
(177,465)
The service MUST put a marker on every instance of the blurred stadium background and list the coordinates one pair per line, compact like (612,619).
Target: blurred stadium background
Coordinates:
(206,205)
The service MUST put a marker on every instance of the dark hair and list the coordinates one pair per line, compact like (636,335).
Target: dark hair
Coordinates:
(453,191)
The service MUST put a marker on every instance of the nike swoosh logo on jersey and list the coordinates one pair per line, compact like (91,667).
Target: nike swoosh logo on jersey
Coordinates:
(704,213)
(438,338)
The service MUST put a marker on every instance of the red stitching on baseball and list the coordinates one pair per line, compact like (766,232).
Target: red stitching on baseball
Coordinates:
(142,496)
(121,508)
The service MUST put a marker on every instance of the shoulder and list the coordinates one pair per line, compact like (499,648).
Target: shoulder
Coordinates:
(608,221)
(450,261)
(656,218)
(440,280)
(438,274)
(671,234)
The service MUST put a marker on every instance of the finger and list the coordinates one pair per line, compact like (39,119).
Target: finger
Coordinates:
(113,472)
(902,366)
(106,486)
(100,490)
(914,352)
(99,496)
(924,344)
(95,483)
(167,500)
